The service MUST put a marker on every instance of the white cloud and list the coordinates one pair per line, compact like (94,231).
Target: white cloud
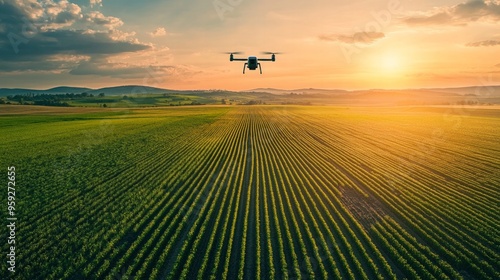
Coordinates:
(33,8)
(109,22)
(160,31)
(60,36)
(119,35)
(94,3)
(76,41)
(61,14)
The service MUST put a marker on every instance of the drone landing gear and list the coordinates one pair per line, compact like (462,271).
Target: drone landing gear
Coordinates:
(245,67)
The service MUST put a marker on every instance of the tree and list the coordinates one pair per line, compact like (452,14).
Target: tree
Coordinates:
(101,94)
(104,105)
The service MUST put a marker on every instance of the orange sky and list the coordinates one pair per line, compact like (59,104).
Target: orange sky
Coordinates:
(179,45)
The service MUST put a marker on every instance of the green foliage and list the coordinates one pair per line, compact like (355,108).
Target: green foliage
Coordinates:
(228,192)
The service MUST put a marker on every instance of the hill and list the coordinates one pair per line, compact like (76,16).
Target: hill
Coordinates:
(484,91)
(136,95)
(118,90)
(130,89)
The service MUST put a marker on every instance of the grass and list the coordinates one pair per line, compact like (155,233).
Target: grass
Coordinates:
(306,191)
(142,100)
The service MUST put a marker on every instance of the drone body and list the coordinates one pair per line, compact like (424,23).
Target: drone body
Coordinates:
(252,62)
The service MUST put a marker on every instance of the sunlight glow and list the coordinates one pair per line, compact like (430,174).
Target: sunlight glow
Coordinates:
(391,63)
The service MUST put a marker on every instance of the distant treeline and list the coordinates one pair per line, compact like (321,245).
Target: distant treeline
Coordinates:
(261,102)
(47,99)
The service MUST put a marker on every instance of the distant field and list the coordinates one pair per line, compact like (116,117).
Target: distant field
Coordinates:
(244,192)
(141,100)
(47,110)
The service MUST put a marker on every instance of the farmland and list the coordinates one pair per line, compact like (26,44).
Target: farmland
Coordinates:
(249,192)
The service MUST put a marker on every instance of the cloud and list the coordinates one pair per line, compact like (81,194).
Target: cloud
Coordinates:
(56,31)
(61,37)
(486,43)
(129,71)
(107,69)
(160,31)
(94,3)
(98,18)
(498,65)
(76,42)
(433,19)
(460,14)
(358,37)
(62,13)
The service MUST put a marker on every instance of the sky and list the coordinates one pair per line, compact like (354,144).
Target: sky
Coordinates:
(330,44)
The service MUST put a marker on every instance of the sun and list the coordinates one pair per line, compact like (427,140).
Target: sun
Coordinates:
(391,63)
(387,68)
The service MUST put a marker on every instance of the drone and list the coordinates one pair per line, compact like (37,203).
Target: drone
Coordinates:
(252,62)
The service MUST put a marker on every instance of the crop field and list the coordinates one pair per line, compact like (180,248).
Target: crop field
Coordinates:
(254,192)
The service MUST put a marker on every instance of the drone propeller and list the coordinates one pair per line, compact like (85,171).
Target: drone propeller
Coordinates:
(232,52)
(271,52)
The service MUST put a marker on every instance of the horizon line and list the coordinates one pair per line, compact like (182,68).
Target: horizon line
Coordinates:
(254,89)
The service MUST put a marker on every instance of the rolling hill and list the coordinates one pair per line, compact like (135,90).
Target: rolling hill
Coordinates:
(432,96)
